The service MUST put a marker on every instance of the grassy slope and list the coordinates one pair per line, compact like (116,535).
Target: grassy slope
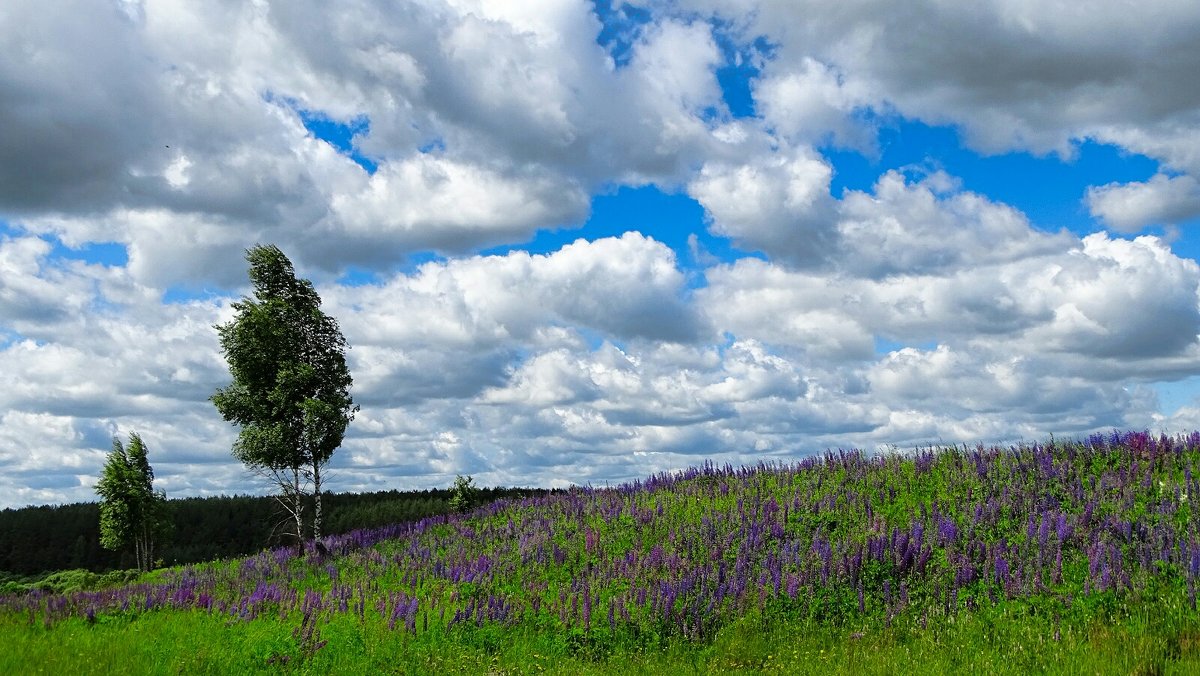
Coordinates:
(709,570)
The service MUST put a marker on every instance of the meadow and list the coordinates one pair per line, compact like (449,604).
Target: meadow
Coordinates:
(1069,556)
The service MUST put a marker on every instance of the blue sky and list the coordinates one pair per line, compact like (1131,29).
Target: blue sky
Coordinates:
(576,241)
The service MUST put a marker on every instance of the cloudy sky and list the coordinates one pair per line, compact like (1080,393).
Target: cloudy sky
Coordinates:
(575,241)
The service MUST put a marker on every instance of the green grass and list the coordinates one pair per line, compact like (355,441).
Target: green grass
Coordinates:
(1011,638)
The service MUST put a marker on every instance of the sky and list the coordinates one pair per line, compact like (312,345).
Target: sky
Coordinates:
(576,242)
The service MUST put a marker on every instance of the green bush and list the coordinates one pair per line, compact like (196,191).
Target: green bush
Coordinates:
(11,587)
(66,581)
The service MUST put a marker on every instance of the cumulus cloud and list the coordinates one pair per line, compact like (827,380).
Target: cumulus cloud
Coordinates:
(1129,207)
(812,104)
(778,202)
(460,207)
(1008,75)
(627,287)
(1076,301)
(930,226)
(1001,329)
(1012,75)
(486,122)
(1093,292)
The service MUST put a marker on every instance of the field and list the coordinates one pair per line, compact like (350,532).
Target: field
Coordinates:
(1065,556)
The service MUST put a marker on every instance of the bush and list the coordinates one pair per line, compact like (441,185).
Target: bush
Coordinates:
(66,581)
(11,587)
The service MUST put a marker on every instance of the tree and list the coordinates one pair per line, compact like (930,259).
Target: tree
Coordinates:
(132,513)
(463,494)
(291,388)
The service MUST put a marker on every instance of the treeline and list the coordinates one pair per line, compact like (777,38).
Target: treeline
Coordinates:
(39,540)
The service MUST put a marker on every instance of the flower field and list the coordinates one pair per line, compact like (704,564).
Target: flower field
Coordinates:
(1074,556)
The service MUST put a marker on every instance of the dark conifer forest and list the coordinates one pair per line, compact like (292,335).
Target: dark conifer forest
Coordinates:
(37,540)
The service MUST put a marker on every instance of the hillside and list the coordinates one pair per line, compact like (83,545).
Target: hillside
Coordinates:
(1046,556)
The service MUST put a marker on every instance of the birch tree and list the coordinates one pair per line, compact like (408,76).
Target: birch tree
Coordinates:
(290,393)
(132,513)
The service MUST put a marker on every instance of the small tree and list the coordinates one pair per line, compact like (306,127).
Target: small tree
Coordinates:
(132,513)
(291,388)
(463,494)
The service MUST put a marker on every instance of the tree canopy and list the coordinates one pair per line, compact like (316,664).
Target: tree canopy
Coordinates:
(290,393)
(132,513)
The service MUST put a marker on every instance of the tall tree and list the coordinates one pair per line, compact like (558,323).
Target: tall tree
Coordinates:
(132,513)
(291,388)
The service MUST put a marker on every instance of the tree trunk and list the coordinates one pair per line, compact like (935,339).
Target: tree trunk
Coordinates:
(298,506)
(148,547)
(316,501)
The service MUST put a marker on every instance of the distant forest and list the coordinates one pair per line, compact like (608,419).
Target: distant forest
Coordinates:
(38,540)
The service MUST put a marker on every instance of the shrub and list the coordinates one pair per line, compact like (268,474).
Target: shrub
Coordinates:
(66,581)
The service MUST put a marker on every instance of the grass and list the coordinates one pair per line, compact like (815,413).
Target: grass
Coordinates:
(1005,639)
(1067,557)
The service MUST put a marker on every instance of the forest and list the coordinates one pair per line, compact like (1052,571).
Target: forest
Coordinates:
(38,540)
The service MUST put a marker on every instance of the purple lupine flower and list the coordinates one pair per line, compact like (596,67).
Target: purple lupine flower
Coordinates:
(398,608)
(587,608)
(1062,529)
(923,559)
(947,531)
(411,615)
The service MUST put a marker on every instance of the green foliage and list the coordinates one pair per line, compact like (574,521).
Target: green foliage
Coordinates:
(463,494)
(13,587)
(66,581)
(132,514)
(290,393)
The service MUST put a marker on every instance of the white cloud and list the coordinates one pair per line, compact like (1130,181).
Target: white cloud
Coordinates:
(488,121)
(1009,75)
(1162,200)
(927,226)
(627,287)
(1075,302)
(1093,293)
(460,206)
(1012,74)
(814,313)
(571,366)
(778,203)
(812,104)
(1030,332)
